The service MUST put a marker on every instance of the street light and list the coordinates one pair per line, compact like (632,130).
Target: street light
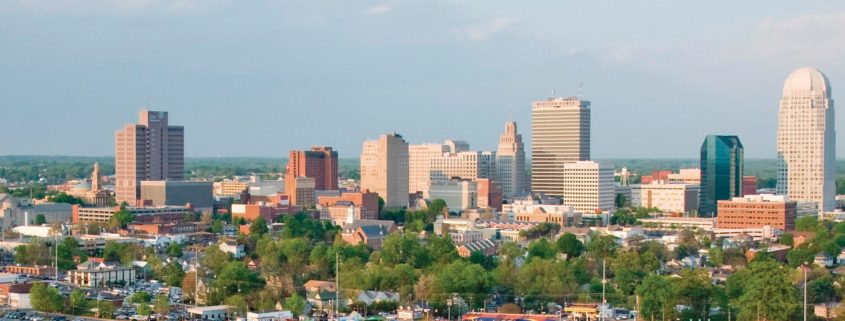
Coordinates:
(449,303)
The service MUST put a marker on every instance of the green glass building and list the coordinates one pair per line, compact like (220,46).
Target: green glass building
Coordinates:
(721,172)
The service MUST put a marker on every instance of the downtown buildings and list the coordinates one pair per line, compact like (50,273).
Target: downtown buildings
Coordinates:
(149,151)
(560,135)
(806,140)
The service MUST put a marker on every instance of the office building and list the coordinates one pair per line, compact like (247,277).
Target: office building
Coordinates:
(433,164)
(510,163)
(749,185)
(344,205)
(384,169)
(489,194)
(301,191)
(199,195)
(459,194)
(690,176)
(757,211)
(667,197)
(588,187)
(721,172)
(560,134)
(806,148)
(149,151)
(147,214)
(319,163)
(419,165)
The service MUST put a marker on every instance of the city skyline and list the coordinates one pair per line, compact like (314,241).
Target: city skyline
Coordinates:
(633,84)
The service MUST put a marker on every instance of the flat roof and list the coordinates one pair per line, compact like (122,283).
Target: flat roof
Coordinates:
(211,308)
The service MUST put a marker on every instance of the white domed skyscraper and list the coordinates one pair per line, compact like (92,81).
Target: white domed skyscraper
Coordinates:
(807,140)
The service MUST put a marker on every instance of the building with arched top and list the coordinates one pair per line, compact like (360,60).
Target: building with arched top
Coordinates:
(807,140)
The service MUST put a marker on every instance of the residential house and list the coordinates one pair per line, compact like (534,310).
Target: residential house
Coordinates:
(321,295)
(370,232)
(488,247)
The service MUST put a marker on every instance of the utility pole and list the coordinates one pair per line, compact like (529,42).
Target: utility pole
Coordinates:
(804,268)
(337,284)
(603,285)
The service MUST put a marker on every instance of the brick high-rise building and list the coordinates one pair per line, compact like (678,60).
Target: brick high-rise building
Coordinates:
(757,211)
(149,151)
(319,163)
(749,185)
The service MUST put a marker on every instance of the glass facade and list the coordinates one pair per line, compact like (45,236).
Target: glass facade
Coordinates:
(721,172)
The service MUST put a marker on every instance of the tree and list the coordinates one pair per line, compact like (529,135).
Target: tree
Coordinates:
(65,198)
(121,218)
(696,288)
(603,246)
(258,227)
(570,245)
(295,304)
(235,278)
(807,224)
(105,309)
(68,249)
(217,227)
(78,303)
(40,219)
(161,304)
(174,250)
(140,297)
(542,249)
(787,239)
(172,274)
(656,298)
(437,206)
(144,309)
(45,298)
(189,284)
(767,293)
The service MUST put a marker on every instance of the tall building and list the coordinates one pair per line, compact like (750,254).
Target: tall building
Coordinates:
(510,163)
(419,165)
(384,169)
(588,187)
(560,134)
(149,151)
(807,140)
(319,163)
(721,172)
(95,177)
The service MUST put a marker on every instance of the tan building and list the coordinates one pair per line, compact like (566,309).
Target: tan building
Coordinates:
(419,165)
(530,209)
(149,151)
(230,188)
(686,176)
(757,211)
(141,214)
(560,134)
(100,275)
(668,197)
(806,148)
(588,187)
(384,169)
(434,164)
(510,163)
(458,194)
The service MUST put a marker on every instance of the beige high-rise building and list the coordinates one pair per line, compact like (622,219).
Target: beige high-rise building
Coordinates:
(419,165)
(588,187)
(807,140)
(436,164)
(510,163)
(148,151)
(384,169)
(560,134)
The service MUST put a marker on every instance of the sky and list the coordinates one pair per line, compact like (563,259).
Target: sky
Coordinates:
(259,78)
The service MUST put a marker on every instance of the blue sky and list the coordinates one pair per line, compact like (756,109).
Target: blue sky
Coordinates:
(257,78)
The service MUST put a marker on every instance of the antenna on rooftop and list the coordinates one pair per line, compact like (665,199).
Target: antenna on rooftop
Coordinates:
(580,89)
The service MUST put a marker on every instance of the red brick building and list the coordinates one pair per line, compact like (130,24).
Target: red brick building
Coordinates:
(757,211)
(749,185)
(655,176)
(319,163)
(489,194)
(336,206)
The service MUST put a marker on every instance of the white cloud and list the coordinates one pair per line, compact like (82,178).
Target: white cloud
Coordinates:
(815,38)
(378,9)
(484,31)
(121,6)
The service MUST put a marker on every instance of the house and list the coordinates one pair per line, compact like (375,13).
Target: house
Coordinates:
(233,248)
(321,295)
(823,259)
(215,312)
(15,295)
(840,259)
(799,238)
(488,247)
(253,264)
(370,297)
(370,232)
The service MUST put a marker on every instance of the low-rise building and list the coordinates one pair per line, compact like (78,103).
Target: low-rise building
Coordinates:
(210,313)
(199,195)
(459,194)
(487,247)
(370,232)
(32,270)
(757,211)
(232,247)
(668,197)
(320,294)
(531,209)
(268,316)
(338,206)
(94,273)
(147,214)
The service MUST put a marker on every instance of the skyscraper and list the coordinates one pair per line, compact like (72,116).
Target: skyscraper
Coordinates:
(722,166)
(149,151)
(384,169)
(588,187)
(807,140)
(560,134)
(510,162)
(319,163)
